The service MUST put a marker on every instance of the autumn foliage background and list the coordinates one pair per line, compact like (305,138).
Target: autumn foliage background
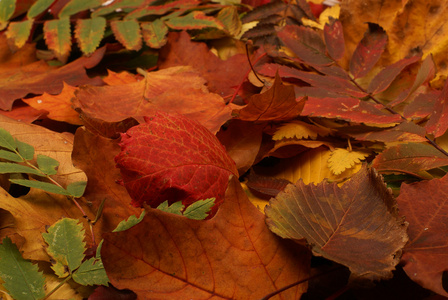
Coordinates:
(321,136)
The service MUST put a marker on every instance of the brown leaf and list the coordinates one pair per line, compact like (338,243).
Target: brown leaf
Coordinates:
(95,156)
(404,132)
(425,257)
(232,256)
(137,99)
(356,225)
(278,103)
(221,76)
(38,77)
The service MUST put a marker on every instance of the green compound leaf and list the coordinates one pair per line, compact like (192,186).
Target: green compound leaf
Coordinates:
(6,140)
(76,6)
(7,8)
(38,7)
(154,33)
(131,221)
(48,187)
(194,20)
(12,156)
(66,244)
(199,210)
(128,33)
(18,32)
(89,33)
(26,150)
(76,189)
(91,272)
(47,165)
(175,208)
(15,168)
(58,38)
(21,278)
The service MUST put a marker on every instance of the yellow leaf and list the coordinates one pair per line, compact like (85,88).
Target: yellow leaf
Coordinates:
(332,11)
(259,203)
(299,130)
(343,159)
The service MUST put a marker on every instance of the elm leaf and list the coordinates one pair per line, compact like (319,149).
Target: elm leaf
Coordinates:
(20,277)
(356,225)
(66,244)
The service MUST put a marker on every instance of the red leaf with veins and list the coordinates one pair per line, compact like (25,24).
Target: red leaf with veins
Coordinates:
(173,158)
(368,51)
(334,38)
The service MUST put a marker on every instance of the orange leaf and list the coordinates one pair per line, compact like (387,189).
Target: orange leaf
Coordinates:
(356,225)
(58,106)
(232,256)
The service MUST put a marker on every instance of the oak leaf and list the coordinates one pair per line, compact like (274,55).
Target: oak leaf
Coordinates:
(171,257)
(173,158)
(356,225)
(425,256)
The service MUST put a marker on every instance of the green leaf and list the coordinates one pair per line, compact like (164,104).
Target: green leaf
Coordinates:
(58,38)
(91,272)
(123,4)
(19,32)
(7,8)
(21,278)
(194,20)
(89,33)
(175,208)
(76,189)
(47,165)
(131,221)
(38,7)
(6,167)
(7,141)
(76,6)
(154,33)
(199,209)
(48,187)
(26,150)
(128,33)
(66,244)
(12,156)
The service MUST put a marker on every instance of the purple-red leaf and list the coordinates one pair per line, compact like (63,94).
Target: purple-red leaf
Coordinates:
(173,158)
(368,51)
(334,38)
(384,78)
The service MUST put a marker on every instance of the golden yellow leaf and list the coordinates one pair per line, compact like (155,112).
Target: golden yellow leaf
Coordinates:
(259,203)
(65,291)
(299,130)
(343,159)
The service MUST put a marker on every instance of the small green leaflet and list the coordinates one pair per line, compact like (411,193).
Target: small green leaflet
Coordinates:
(15,168)
(66,245)
(154,33)
(89,33)
(131,221)
(7,141)
(48,187)
(58,38)
(199,210)
(18,32)
(175,208)
(7,8)
(8,155)
(76,189)
(91,272)
(76,6)
(194,20)
(47,165)
(26,150)
(21,278)
(128,33)
(38,7)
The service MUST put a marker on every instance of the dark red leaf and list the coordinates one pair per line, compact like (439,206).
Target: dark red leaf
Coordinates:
(334,38)
(438,121)
(404,132)
(368,51)
(409,158)
(384,78)
(425,257)
(306,44)
(269,186)
(171,157)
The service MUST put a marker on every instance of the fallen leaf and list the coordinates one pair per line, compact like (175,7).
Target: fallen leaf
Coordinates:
(438,121)
(356,225)
(59,106)
(409,158)
(222,77)
(278,103)
(343,159)
(137,99)
(334,39)
(403,132)
(173,158)
(38,78)
(425,256)
(169,256)
(300,130)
